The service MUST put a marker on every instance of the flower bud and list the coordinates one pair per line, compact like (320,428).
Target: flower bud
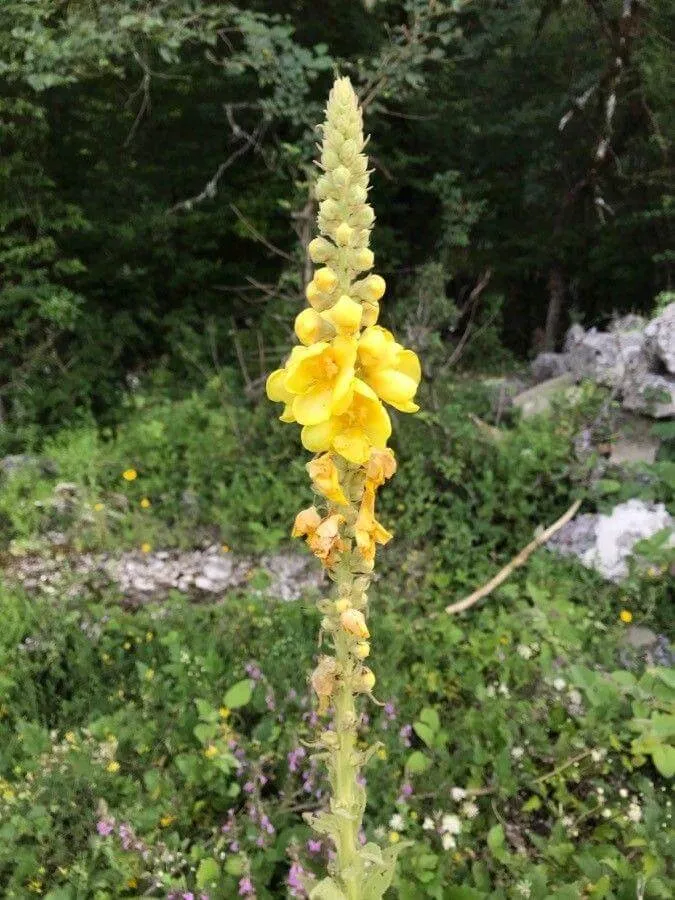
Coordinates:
(345,315)
(340,176)
(365,681)
(329,209)
(325,279)
(330,158)
(363,259)
(310,327)
(353,622)
(362,650)
(372,288)
(342,604)
(371,312)
(322,188)
(343,234)
(363,216)
(348,150)
(320,250)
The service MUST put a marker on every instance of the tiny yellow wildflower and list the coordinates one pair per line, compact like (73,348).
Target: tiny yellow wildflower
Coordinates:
(127,645)
(167,820)
(146,547)
(394,837)
(130,474)
(132,883)
(149,636)
(224,548)
(149,674)
(35,886)
(211,751)
(70,737)
(113,767)
(99,507)
(224,712)
(382,753)
(626,616)
(145,503)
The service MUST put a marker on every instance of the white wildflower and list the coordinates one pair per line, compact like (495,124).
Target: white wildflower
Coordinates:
(457,793)
(623,792)
(524,888)
(448,842)
(397,822)
(503,690)
(598,755)
(517,752)
(635,813)
(490,690)
(575,697)
(428,824)
(470,809)
(524,651)
(606,813)
(451,824)
(559,684)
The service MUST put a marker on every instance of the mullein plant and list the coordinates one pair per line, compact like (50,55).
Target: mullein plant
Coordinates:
(334,385)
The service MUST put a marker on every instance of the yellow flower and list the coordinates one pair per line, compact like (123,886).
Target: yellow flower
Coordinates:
(131,883)
(362,426)
(113,767)
(146,547)
(224,712)
(311,327)
(365,680)
(70,737)
(354,622)
(225,548)
(626,616)
(382,753)
(381,466)
(211,751)
(98,507)
(345,316)
(306,522)
(130,474)
(324,475)
(391,371)
(35,886)
(367,530)
(394,837)
(362,650)
(277,393)
(145,503)
(326,543)
(167,820)
(321,377)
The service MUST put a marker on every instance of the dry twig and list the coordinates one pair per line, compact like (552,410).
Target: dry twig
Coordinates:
(517,561)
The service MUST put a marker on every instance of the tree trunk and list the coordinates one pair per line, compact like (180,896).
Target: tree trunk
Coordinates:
(556,297)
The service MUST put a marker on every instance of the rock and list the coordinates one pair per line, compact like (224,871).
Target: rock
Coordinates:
(638,636)
(16,462)
(630,322)
(549,365)
(651,394)
(538,399)
(614,360)
(574,336)
(605,542)
(626,451)
(660,337)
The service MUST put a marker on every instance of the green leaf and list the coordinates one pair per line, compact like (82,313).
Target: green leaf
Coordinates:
(424,733)
(206,712)
(239,694)
(327,889)
(208,874)
(430,717)
(417,763)
(205,732)
(664,760)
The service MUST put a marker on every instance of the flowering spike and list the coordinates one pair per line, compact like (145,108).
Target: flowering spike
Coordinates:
(335,388)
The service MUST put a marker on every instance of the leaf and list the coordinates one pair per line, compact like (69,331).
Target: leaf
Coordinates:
(239,694)
(532,804)
(205,732)
(326,890)
(430,717)
(206,712)
(664,759)
(424,733)
(208,873)
(417,763)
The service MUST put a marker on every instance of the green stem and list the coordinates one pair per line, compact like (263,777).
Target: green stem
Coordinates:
(346,789)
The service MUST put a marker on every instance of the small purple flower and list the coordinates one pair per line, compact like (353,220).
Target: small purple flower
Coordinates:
(362,837)
(292,694)
(294,758)
(249,787)
(269,703)
(314,846)
(253,671)
(105,827)
(188,895)
(234,847)
(260,841)
(266,824)
(296,880)
(406,735)
(390,710)
(262,779)
(246,888)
